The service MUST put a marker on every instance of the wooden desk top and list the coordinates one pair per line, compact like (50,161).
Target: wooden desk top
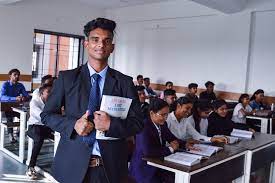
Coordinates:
(259,140)
(227,152)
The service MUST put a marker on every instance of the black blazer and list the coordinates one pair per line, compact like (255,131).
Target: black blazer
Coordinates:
(71,90)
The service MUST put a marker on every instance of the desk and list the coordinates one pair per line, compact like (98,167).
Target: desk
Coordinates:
(210,170)
(23,121)
(264,122)
(237,160)
(260,153)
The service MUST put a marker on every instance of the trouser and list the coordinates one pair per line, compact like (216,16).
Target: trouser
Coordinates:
(38,133)
(95,175)
(9,116)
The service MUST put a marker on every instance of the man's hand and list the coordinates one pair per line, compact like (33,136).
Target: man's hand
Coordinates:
(220,139)
(82,126)
(190,143)
(175,145)
(102,121)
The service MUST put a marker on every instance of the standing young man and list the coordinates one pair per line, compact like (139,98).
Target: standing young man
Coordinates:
(80,156)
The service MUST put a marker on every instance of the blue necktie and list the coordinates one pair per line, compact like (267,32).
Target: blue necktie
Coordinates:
(94,105)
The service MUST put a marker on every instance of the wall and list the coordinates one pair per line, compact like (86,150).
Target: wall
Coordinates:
(19,21)
(185,42)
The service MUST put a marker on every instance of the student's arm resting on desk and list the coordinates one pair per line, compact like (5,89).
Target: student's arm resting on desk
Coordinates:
(51,115)
(133,124)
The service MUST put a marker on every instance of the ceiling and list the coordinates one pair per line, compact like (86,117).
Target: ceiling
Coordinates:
(225,6)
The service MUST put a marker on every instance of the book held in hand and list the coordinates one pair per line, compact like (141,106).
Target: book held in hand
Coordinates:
(241,133)
(116,107)
(184,158)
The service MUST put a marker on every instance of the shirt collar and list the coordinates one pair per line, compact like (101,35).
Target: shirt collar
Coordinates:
(101,73)
(157,126)
(174,118)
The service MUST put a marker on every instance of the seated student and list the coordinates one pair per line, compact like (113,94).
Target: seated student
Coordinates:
(36,129)
(170,96)
(139,80)
(148,90)
(48,79)
(193,88)
(151,142)
(218,124)
(142,97)
(242,109)
(177,122)
(13,91)
(168,85)
(256,101)
(209,93)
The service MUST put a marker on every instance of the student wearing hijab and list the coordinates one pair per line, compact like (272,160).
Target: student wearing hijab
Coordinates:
(151,142)
(177,122)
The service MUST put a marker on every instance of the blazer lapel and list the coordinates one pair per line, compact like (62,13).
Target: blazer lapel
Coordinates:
(85,87)
(110,82)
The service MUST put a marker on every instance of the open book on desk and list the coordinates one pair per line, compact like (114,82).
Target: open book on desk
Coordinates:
(116,107)
(184,158)
(205,150)
(241,133)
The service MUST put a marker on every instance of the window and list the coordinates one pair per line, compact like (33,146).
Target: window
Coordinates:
(54,52)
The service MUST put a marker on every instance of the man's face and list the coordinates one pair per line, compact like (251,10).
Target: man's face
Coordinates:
(141,96)
(193,90)
(45,94)
(210,88)
(169,86)
(147,82)
(140,81)
(99,44)
(170,99)
(14,77)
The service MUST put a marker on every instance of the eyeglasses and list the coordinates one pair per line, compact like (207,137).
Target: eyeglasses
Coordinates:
(163,115)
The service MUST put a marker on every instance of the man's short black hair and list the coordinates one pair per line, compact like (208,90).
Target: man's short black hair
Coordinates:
(14,70)
(44,87)
(209,83)
(102,23)
(45,78)
(139,76)
(168,82)
(169,92)
(146,79)
(193,85)
(140,88)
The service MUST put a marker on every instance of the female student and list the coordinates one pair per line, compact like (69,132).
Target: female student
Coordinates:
(242,109)
(256,101)
(177,122)
(151,142)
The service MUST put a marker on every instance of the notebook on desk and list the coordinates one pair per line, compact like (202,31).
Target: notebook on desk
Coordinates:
(263,113)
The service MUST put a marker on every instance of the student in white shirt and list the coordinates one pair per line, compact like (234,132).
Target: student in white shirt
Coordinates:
(178,125)
(36,129)
(48,79)
(242,109)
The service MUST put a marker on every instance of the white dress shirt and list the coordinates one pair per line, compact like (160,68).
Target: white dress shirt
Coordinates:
(183,130)
(203,124)
(238,116)
(36,107)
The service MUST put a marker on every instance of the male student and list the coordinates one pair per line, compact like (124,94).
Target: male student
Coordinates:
(83,156)
(37,130)
(142,98)
(47,79)
(193,88)
(13,91)
(148,90)
(170,96)
(139,80)
(209,93)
